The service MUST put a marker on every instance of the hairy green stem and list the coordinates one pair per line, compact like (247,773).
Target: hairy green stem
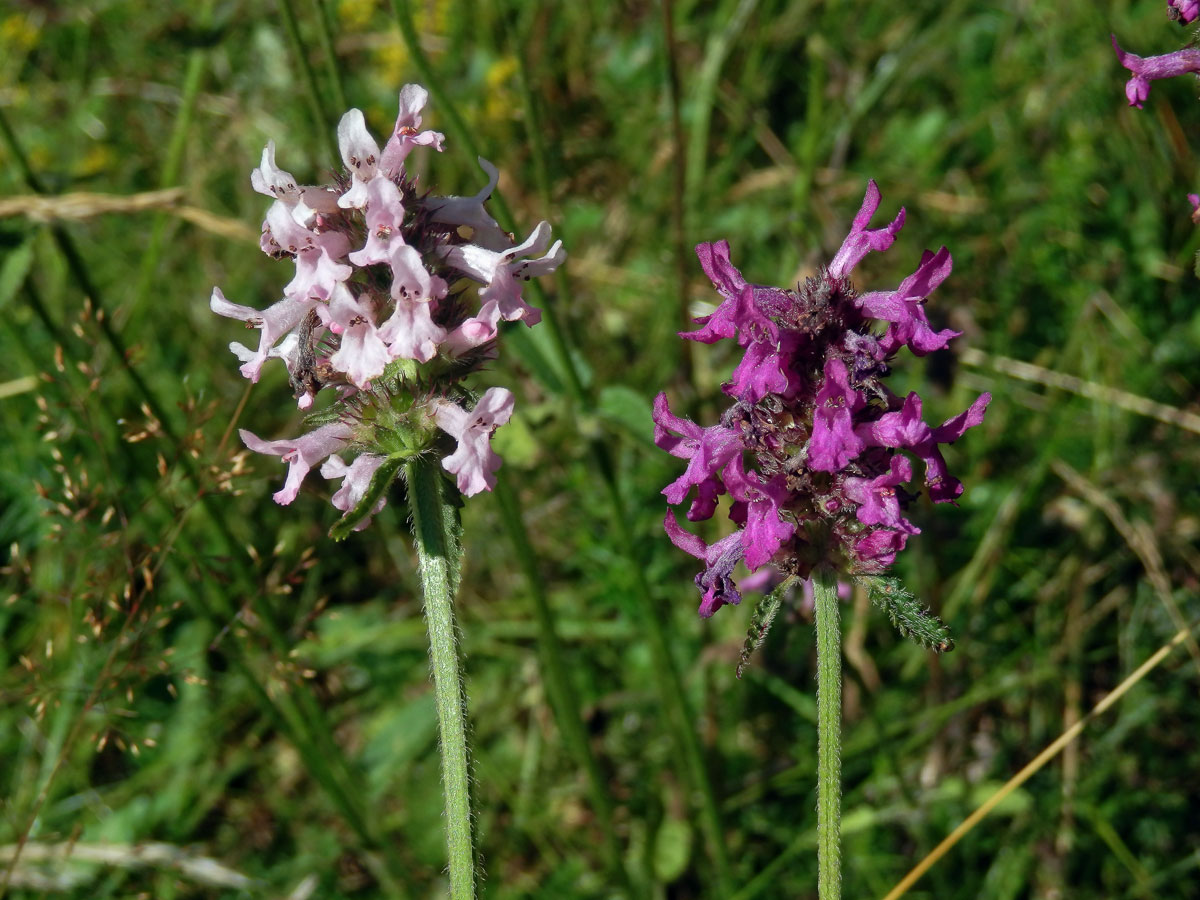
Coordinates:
(433,534)
(829,735)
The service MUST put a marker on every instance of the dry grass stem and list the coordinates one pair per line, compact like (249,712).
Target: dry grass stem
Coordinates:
(1035,765)
(1133,403)
(86,205)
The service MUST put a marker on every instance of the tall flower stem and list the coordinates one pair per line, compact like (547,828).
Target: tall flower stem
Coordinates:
(435,533)
(829,735)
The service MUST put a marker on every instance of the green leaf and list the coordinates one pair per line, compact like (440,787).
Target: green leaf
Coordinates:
(627,409)
(14,271)
(672,848)
(437,525)
(761,621)
(910,616)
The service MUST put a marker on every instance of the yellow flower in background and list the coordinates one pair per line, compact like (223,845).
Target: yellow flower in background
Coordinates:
(18,32)
(499,81)
(356,15)
(99,157)
(391,61)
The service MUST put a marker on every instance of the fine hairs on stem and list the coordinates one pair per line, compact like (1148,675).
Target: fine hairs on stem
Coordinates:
(435,534)
(829,734)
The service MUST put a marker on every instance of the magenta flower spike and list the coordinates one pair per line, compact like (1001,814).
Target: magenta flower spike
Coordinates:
(815,451)
(397,297)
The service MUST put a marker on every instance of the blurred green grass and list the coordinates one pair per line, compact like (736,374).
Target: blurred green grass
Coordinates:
(225,679)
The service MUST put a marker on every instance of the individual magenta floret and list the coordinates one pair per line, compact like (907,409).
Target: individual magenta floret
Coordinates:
(814,450)
(397,297)
(1145,69)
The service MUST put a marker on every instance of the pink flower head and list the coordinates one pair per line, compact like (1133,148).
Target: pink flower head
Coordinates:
(411,333)
(363,354)
(502,271)
(385,223)
(469,212)
(360,153)
(275,322)
(368,312)
(301,202)
(1145,69)
(474,462)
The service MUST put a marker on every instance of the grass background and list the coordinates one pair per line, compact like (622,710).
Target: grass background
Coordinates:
(192,673)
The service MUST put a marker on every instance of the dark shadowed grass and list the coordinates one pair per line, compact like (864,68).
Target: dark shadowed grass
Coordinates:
(184,662)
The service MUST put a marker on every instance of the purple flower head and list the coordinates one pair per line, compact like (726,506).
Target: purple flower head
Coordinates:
(1145,69)
(368,319)
(757,505)
(878,498)
(904,429)
(904,308)
(815,452)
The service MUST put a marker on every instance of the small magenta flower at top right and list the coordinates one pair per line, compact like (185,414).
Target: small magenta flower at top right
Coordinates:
(814,449)
(1144,69)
